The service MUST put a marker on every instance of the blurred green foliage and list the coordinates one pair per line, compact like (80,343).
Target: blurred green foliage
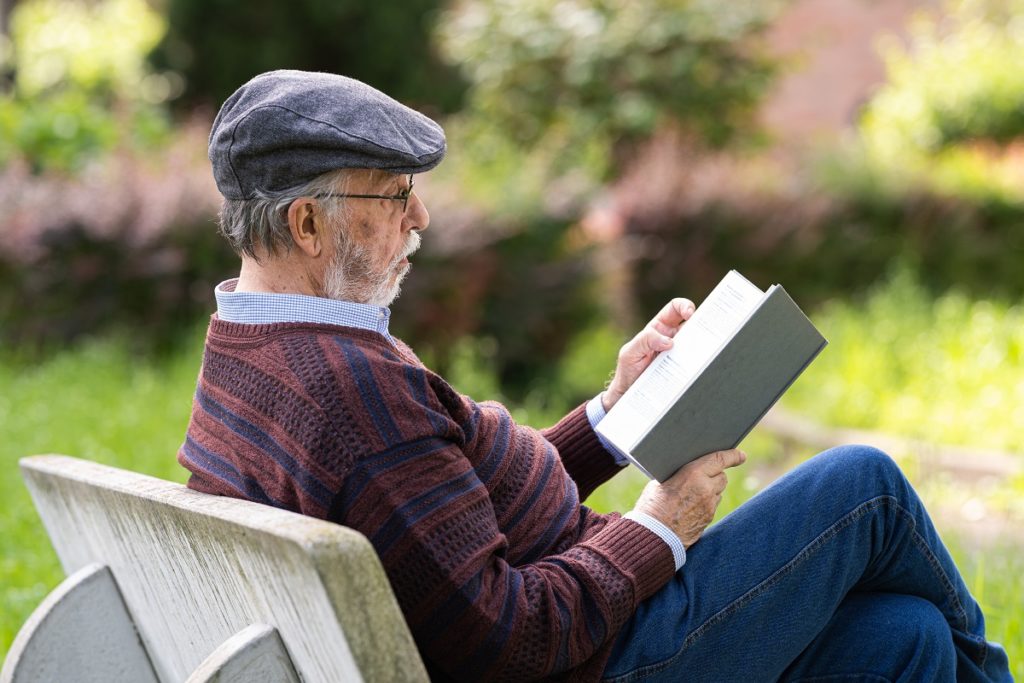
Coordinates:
(81,84)
(953,104)
(945,369)
(956,80)
(572,74)
(91,46)
(220,44)
(574,77)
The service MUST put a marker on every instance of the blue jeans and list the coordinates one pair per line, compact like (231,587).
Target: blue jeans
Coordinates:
(834,573)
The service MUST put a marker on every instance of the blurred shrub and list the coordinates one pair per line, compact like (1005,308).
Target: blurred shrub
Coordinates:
(954,82)
(526,287)
(953,105)
(127,243)
(81,84)
(93,46)
(578,73)
(220,44)
(821,229)
(130,244)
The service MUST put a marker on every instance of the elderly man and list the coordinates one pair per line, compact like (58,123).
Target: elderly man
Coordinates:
(306,402)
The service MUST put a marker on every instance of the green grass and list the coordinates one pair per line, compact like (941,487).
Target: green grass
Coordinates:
(96,402)
(947,370)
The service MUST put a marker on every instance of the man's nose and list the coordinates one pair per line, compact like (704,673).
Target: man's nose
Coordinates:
(416,215)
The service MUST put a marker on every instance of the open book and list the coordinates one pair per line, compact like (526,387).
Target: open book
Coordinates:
(730,363)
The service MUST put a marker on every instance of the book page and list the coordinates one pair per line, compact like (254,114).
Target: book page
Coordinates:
(700,337)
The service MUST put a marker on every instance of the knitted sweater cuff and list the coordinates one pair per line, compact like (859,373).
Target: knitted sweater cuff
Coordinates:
(584,458)
(637,552)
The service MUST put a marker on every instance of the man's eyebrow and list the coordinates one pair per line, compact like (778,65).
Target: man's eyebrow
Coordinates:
(389,181)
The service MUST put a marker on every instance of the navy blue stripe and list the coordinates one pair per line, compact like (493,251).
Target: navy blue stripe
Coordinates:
(592,615)
(438,621)
(365,470)
(417,381)
(557,524)
(260,439)
(368,390)
(538,490)
(213,465)
(483,658)
(226,472)
(470,428)
(489,464)
(564,627)
(427,503)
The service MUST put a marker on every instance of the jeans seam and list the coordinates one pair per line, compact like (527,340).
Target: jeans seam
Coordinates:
(933,562)
(947,585)
(842,523)
(864,676)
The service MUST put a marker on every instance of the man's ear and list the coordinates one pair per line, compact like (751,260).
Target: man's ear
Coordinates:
(306,229)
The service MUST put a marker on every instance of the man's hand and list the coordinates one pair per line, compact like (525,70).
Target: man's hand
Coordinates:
(686,503)
(638,352)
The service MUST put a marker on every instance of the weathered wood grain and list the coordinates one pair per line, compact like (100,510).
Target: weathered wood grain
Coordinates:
(196,569)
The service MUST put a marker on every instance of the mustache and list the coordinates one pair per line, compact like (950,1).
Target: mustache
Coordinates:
(411,246)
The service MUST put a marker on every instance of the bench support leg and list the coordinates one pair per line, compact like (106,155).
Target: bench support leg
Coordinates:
(80,632)
(256,653)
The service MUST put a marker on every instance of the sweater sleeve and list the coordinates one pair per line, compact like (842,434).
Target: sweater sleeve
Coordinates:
(585,458)
(477,609)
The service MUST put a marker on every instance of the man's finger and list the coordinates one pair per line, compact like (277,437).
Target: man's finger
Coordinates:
(648,341)
(672,315)
(715,463)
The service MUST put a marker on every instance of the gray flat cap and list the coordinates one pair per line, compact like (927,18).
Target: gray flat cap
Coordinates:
(284,128)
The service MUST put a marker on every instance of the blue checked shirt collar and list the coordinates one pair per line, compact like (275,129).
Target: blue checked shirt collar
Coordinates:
(260,308)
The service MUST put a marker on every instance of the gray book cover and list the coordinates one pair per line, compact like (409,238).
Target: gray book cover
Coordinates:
(735,389)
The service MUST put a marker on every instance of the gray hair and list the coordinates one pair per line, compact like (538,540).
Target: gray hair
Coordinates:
(261,224)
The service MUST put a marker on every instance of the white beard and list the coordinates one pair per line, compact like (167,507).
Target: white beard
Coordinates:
(350,275)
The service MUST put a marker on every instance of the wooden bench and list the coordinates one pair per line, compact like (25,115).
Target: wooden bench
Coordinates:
(168,584)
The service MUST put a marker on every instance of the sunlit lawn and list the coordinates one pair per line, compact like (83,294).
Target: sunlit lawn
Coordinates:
(96,403)
(100,402)
(947,370)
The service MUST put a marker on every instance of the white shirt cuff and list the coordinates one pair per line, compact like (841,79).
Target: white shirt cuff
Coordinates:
(596,413)
(663,532)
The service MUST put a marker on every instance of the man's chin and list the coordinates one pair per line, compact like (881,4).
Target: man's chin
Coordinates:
(386,297)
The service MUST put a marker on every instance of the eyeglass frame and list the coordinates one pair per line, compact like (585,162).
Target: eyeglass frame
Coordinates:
(402,196)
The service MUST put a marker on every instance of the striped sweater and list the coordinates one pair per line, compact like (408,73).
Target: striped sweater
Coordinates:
(499,570)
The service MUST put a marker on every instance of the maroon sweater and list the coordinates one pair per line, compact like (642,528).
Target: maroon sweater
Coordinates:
(500,571)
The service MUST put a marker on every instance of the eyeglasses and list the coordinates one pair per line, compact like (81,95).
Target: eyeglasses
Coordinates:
(402,196)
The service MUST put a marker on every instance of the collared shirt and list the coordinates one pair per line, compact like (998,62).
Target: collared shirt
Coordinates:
(261,308)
